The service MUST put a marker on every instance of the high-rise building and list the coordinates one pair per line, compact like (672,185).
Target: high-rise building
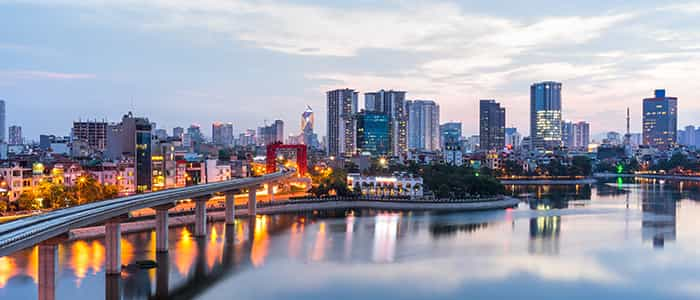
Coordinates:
(160,134)
(575,135)
(545,115)
(450,132)
(372,133)
(222,134)
(94,133)
(178,131)
(308,137)
(131,140)
(689,136)
(2,122)
(247,138)
(15,135)
(195,133)
(391,103)
(492,125)
(270,134)
(341,105)
(513,137)
(660,120)
(423,125)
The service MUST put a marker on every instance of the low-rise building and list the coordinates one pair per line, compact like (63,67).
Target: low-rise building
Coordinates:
(396,185)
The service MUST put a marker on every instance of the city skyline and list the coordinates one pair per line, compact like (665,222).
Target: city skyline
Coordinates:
(60,78)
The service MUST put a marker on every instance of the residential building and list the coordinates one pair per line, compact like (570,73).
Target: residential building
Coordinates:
(195,133)
(131,140)
(545,115)
(341,105)
(391,103)
(178,131)
(575,135)
(513,138)
(15,135)
(423,125)
(492,125)
(270,134)
(660,120)
(222,134)
(2,122)
(372,133)
(94,133)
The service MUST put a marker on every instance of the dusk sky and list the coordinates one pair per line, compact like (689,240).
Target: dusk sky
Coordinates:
(180,62)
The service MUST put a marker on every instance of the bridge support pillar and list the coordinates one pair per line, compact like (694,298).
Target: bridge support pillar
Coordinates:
(230,208)
(271,190)
(200,216)
(251,200)
(162,227)
(113,248)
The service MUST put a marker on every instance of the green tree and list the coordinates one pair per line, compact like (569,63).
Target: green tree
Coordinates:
(53,194)
(581,166)
(27,201)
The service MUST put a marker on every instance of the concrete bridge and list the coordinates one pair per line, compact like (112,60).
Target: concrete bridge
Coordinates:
(49,229)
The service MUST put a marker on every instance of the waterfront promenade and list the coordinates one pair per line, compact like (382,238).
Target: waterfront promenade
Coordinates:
(647,176)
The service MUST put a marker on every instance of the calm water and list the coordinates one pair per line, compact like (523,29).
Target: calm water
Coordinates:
(573,242)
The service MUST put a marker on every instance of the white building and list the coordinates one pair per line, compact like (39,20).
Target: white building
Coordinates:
(400,185)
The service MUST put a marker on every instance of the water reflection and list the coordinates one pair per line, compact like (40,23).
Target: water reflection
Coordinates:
(543,243)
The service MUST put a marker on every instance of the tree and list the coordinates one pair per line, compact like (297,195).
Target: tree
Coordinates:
(53,194)
(27,201)
(581,166)
(513,167)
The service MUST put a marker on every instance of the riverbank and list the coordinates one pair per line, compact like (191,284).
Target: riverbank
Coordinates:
(291,207)
(548,181)
(647,176)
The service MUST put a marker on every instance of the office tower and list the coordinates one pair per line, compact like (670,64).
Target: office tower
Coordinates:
(545,115)
(341,105)
(690,135)
(391,103)
(2,122)
(660,120)
(450,132)
(513,138)
(308,137)
(178,132)
(492,125)
(273,133)
(372,133)
(423,125)
(15,135)
(222,134)
(195,133)
(131,140)
(93,133)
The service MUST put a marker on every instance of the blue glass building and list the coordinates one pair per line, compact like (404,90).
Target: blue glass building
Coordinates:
(545,115)
(373,134)
(660,120)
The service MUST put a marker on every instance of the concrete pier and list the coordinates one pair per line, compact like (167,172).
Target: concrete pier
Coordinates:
(113,289)
(271,190)
(200,215)
(162,227)
(47,271)
(251,200)
(162,275)
(113,248)
(230,208)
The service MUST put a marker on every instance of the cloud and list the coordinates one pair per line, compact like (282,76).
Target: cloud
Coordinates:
(39,75)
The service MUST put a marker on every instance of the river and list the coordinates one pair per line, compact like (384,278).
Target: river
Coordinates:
(571,242)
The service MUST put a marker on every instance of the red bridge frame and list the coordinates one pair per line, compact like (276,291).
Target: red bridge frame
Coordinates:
(271,159)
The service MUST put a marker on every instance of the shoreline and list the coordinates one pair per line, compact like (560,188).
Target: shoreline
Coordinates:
(94,232)
(548,181)
(647,176)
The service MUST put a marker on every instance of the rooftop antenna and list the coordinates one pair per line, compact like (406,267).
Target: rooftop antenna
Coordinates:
(628,121)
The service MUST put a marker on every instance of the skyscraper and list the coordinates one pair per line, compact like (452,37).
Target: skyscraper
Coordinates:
(308,137)
(270,134)
(131,140)
(178,131)
(492,125)
(195,133)
(15,134)
(660,120)
(450,133)
(222,133)
(94,133)
(372,133)
(545,115)
(341,105)
(576,135)
(391,103)
(2,122)
(423,125)
(513,137)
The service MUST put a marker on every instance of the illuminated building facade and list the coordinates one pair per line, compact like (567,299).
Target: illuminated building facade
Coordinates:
(545,115)
(404,185)
(391,103)
(342,106)
(131,139)
(450,132)
(660,120)
(372,133)
(492,125)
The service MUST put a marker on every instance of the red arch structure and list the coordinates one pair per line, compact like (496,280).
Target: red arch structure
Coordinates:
(271,157)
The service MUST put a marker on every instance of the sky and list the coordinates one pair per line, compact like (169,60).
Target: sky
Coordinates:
(180,62)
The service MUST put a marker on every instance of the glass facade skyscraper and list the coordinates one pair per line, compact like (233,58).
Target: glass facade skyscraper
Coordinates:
(372,133)
(450,133)
(545,115)
(391,103)
(660,120)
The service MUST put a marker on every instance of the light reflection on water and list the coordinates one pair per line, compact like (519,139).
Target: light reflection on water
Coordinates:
(577,242)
